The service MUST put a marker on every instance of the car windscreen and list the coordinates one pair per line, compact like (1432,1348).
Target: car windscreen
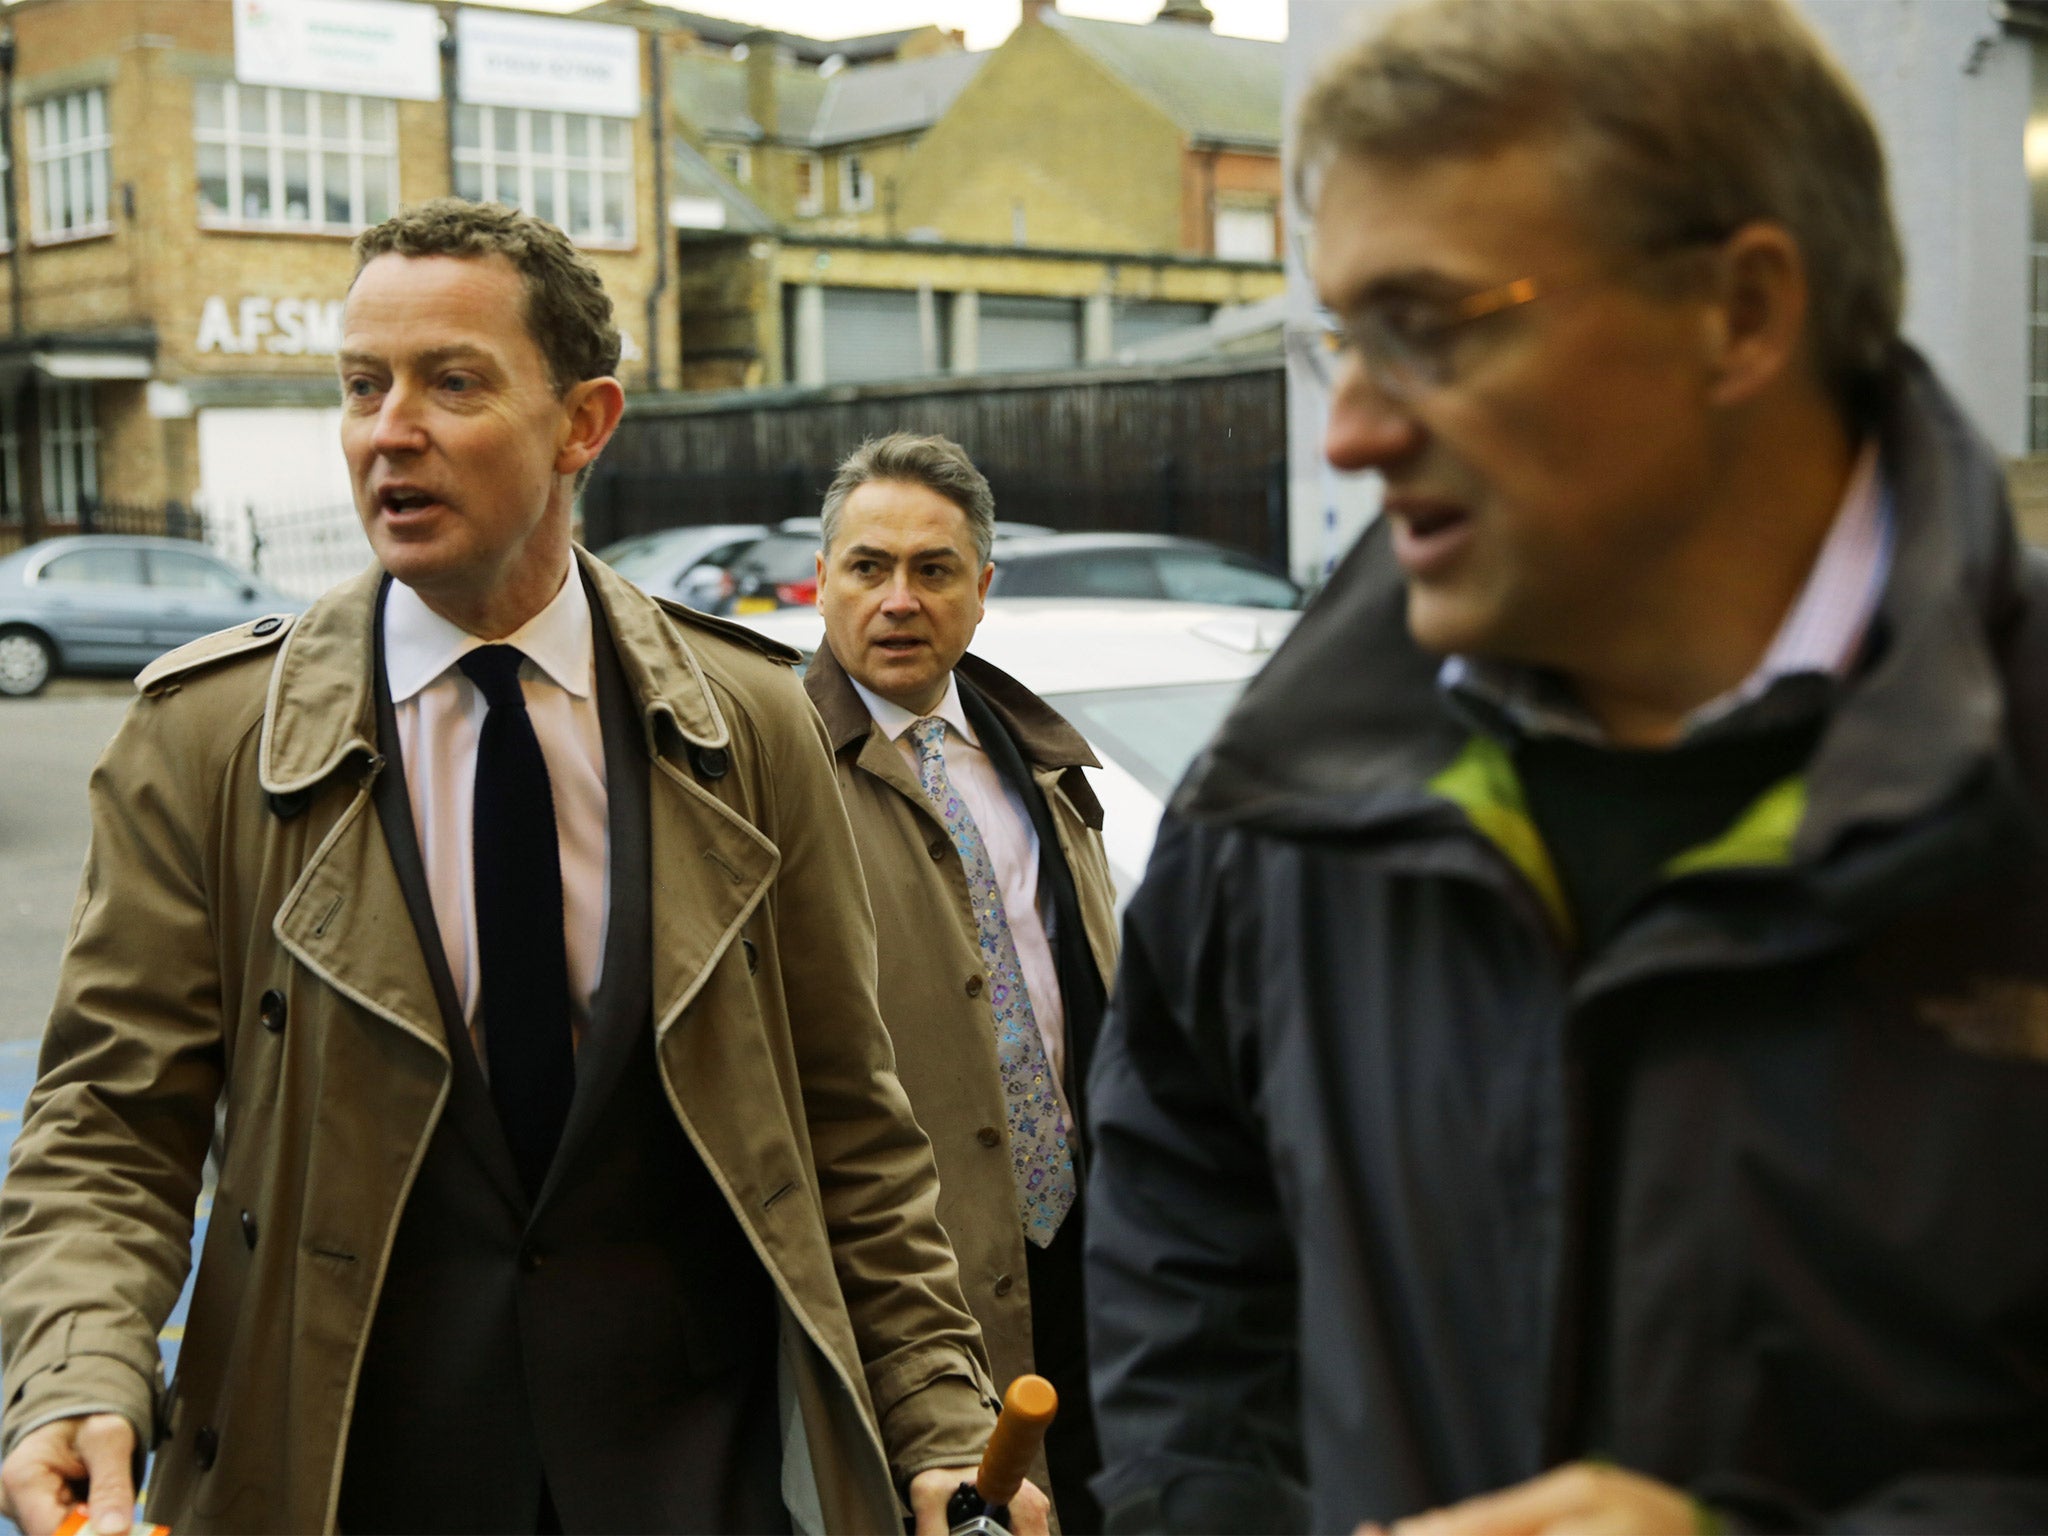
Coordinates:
(636,558)
(779,557)
(1153,733)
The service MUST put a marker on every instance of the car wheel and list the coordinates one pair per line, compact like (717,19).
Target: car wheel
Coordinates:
(26,662)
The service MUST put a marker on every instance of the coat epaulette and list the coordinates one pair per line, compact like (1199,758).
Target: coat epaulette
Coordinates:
(256,635)
(774,650)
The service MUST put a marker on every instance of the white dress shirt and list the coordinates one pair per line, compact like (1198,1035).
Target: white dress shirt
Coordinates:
(1004,821)
(440,713)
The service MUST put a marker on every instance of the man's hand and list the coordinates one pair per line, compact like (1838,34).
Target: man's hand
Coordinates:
(1030,1511)
(1584,1499)
(38,1481)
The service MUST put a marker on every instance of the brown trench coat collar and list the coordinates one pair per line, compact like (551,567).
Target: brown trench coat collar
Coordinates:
(322,709)
(1042,734)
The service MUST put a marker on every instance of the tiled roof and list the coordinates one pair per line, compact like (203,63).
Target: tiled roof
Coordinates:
(862,101)
(1220,88)
(872,101)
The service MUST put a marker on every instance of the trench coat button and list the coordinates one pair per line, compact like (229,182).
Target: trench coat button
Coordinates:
(205,1448)
(988,1136)
(937,849)
(1003,1285)
(530,1259)
(270,1011)
(248,1229)
(974,986)
(269,626)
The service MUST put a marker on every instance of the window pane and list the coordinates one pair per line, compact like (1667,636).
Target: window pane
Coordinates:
(505,130)
(469,181)
(255,185)
(380,122)
(253,109)
(615,205)
(213,180)
(74,118)
(578,221)
(578,137)
(334,188)
(96,184)
(96,113)
(333,116)
(113,567)
(298,187)
(376,188)
(543,129)
(209,109)
(469,132)
(614,138)
(292,109)
(190,573)
(544,197)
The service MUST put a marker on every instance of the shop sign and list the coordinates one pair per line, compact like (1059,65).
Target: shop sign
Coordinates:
(362,47)
(544,62)
(282,327)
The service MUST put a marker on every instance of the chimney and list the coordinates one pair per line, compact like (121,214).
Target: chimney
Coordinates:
(1186,10)
(763,55)
(1034,11)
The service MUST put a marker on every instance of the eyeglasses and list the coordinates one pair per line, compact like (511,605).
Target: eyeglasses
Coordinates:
(1411,344)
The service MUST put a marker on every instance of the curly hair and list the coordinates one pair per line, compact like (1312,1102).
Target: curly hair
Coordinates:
(568,313)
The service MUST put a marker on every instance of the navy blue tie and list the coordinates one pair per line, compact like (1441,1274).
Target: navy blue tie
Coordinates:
(524,997)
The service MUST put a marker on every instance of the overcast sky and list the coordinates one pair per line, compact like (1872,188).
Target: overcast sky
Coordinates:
(987,22)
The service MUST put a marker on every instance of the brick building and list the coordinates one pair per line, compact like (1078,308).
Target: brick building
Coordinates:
(178,224)
(1070,196)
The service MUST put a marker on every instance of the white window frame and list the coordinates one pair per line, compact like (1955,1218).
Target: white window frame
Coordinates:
(71,447)
(258,158)
(737,161)
(1246,211)
(510,176)
(810,200)
(70,153)
(856,184)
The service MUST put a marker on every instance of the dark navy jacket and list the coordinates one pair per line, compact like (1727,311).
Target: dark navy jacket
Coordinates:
(1400,1197)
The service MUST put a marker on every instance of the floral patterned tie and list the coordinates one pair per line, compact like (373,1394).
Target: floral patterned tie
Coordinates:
(1040,1157)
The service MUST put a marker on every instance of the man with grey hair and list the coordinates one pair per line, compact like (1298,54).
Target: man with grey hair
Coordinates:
(1578,1063)
(981,842)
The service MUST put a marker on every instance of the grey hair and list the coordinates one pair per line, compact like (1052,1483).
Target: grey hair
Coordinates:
(936,463)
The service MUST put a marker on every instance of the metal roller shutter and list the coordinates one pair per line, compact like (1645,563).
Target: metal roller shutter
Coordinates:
(1019,332)
(871,333)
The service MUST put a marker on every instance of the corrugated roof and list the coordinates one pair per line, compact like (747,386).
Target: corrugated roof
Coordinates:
(862,101)
(872,101)
(1215,87)
(696,178)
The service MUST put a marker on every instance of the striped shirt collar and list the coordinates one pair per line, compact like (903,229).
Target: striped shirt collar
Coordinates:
(1819,640)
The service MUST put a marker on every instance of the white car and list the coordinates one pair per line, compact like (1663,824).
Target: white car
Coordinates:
(1146,683)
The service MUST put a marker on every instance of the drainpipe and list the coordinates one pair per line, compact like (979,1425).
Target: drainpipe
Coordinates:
(7,150)
(448,91)
(658,134)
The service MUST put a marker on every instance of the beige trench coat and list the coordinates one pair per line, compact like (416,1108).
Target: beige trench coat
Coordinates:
(936,1007)
(199,899)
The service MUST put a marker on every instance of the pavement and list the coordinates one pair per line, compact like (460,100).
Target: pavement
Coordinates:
(48,745)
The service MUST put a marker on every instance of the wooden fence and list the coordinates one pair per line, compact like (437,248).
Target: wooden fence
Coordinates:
(1198,450)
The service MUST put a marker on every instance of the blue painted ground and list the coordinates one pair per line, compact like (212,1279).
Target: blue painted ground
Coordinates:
(17,1076)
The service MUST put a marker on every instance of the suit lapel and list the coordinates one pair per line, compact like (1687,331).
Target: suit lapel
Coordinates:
(1081,996)
(620,1007)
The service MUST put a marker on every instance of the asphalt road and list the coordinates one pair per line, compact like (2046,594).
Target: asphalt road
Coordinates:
(48,745)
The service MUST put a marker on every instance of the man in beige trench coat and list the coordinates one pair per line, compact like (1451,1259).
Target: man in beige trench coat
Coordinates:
(726,1301)
(1015,873)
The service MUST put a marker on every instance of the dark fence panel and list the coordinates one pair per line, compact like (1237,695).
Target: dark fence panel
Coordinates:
(1198,451)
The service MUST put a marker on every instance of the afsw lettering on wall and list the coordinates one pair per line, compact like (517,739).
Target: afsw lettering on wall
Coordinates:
(286,327)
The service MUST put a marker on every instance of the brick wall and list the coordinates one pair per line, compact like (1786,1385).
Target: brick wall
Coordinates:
(1046,129)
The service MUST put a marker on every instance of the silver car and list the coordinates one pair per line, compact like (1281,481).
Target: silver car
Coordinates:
(111,603)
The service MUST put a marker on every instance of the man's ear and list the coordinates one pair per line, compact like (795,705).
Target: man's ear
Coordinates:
(590,412)
(1758,320)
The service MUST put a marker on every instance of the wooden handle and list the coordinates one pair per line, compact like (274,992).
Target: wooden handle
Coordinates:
(1028,1408)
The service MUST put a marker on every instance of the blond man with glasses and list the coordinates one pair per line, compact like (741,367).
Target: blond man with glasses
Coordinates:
(1578,1058)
